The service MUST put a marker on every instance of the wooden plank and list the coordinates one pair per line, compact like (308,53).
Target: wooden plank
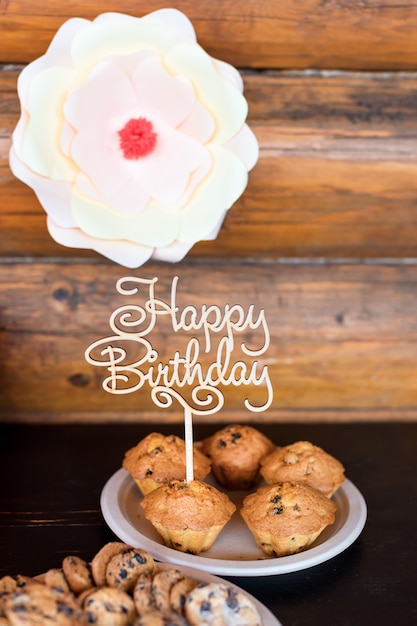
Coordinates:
(372,34)
(336,175)
(343,337)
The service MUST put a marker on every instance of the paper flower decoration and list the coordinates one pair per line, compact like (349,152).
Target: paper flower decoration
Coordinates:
(132,137)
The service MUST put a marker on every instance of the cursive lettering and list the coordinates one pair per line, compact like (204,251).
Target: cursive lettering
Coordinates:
(132,323)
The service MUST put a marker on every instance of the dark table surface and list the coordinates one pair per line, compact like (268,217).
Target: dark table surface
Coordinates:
(52,477)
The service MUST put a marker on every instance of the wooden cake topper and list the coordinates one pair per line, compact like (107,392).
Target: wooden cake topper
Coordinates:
(133,363)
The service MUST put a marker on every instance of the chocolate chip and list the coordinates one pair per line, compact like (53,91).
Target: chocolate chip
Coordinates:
(232,601)
(141,559)
(66,610)
(205,607)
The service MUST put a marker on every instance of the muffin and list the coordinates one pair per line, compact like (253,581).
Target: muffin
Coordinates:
(188,516)
(286,518)
(157,459)
(235,453)
(303,462)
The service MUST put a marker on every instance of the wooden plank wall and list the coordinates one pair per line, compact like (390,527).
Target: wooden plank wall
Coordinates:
(324,238)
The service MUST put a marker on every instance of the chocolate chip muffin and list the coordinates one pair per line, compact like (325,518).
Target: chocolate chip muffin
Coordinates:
(188,516)
(235,453)
(157,459)
(285,518)
(303,462)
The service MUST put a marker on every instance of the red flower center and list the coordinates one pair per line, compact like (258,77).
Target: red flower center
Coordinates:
(137,138)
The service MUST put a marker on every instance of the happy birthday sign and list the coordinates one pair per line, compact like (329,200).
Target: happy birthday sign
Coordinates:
(133,362)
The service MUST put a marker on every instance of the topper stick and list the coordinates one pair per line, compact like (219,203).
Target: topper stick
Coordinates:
(189,458)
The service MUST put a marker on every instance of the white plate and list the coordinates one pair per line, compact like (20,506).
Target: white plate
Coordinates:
(268,619)
(234,552)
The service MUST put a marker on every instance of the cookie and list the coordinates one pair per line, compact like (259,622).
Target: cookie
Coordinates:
(218,604)
(124,568)
(23,581)
(7,587)
(78,573)
(235,452)
(101,559)
(55,579)
(82,597)
(142,594)
(38,605)
(109,606)
(162,584)
(8,584)
(179,593)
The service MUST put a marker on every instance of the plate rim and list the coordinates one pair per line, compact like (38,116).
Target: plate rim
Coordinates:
(340,541)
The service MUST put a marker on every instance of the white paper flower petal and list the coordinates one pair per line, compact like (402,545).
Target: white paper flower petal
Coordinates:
(41,142)
(216,193)
(199,124)
(173,253)
(18,135)
(178,250)
(152,82)
(230,73)
(166,173)
(95,148)
(217,93)
(174,20)
(55,196)
(96,103)
(246,146)
(59,50)
(25,78)
(66,138)
(129,63)
(145,228)
(118,35)
(123,252)
(129,200)
(215,231)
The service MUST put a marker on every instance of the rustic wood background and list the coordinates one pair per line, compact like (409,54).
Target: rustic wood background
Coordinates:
(324,238)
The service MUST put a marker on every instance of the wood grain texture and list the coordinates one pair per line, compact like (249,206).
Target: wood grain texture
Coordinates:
(343,339)
(324,237)
(371,34)
(336,175)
